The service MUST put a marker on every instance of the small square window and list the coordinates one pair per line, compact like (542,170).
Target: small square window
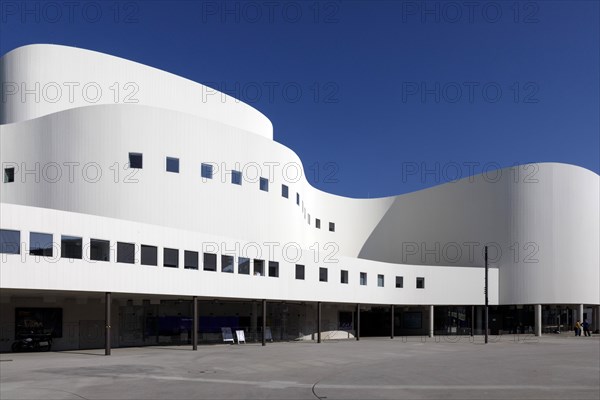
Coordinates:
(190,259)
(298,199)
(322,274)
(264,184)
(380,280)
(126,253)
(274,269)
(172,164)
(259,267)
(210,262)
(243,266)
(236,177)
(10,241)
(363,279)
(400,282)
(70,247)
(317,223)
(149,255)
(9,175)
(171,258)
(99,250)
(227,264)
(344,276)
(420,283)
(331,227)
(206,171)
(285,191)
(40,244)
(135,160)
(300,271)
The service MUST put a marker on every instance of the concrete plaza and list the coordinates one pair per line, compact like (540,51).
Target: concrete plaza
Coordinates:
(509,367)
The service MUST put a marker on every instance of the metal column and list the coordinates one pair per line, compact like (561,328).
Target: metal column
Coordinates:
(264,322)
(358,322)
(319,322)
(195,323)
(472,320)
(431,314)
(392,321)
(107,301)
(538,319)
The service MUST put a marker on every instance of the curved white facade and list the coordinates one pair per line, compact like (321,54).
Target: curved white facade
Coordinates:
(71,177)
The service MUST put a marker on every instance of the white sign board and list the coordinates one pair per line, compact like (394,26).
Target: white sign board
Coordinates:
(227,335)
(240,336)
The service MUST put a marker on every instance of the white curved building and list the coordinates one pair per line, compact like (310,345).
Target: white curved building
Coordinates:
(129,185)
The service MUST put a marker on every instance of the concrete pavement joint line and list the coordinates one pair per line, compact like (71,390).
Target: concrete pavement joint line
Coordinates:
(290,384)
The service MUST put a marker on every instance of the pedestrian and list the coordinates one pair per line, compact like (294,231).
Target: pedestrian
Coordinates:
(577,328)
(586,328)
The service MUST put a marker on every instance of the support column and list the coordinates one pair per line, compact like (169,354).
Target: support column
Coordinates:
(107,318)
(596,318)
(195,323)
(431,321)
(264,322)
(357,329)
(392,321)
(538,319)
(319,322)
(580,312)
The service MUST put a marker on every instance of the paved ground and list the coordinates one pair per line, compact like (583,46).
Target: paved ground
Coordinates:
(553,367)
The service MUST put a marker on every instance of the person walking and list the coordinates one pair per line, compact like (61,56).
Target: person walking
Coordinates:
(586,328)
(577,328)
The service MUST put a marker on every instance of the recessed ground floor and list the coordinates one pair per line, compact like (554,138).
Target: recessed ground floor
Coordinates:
(78,320)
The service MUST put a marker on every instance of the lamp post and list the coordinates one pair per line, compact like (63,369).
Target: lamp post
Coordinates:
(485,321)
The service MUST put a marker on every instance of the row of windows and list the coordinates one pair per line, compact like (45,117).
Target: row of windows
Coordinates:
(206,171)
(41,244)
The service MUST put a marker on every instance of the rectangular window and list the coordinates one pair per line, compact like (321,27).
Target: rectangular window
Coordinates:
(318,223)
(227,264)
(264,184)
(309,219)
(99,250)
(190,259)
(40,244)
(206,170)
(322,274)
(126,253)
(300,271)
(135,160)
(210,262)
(70,247)
(363,278)
(344,276)
(236,177)
(380,280)
(420,283)
(285,191)
(274,269)
(149,255)
(298,199)
(259,267)
(172,164)
(400,282)
(243,265)
(171,258)
(9,175)
(331,227)
(10,241)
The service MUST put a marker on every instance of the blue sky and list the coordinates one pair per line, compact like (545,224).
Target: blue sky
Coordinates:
(376,97)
